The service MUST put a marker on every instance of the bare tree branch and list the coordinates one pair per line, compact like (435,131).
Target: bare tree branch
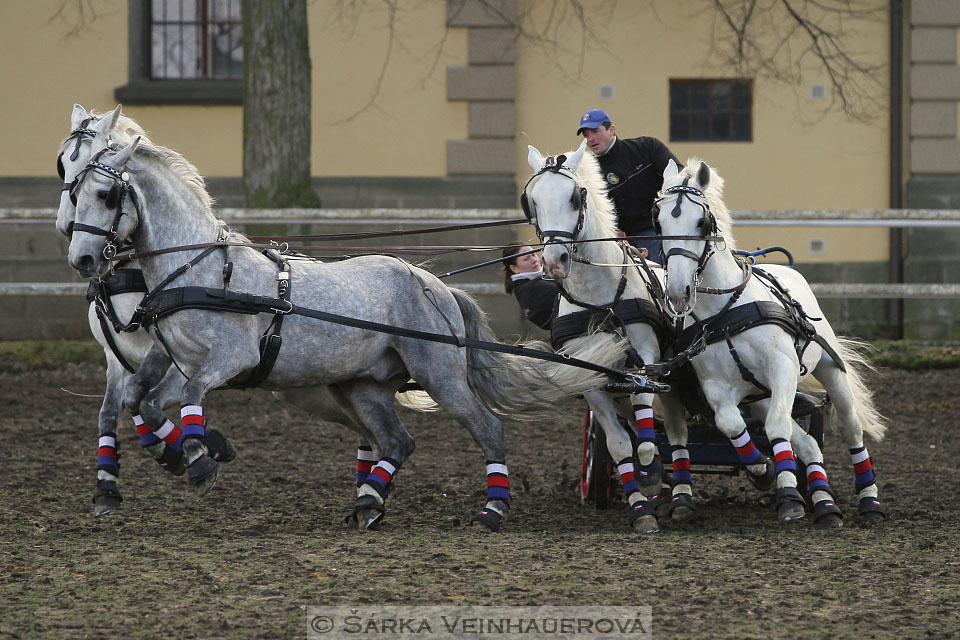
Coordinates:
(787,40)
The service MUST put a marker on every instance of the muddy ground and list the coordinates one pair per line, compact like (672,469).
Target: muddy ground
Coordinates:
(246,560)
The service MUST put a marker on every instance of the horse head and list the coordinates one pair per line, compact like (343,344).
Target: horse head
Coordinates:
(684,217)
(102,224)
(555,200)
(73,157)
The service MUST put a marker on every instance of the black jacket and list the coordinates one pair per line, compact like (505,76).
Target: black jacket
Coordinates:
(538,300)
(633,171)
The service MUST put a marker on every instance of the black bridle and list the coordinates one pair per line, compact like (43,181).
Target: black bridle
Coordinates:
(578,199)
(114,200)
(709,235)
(78,135)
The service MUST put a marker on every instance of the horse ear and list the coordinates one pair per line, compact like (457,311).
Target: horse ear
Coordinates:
(534,157)
(574,161)
(671,170)
(703,175)
(124,154)
(77,116)
(107,123)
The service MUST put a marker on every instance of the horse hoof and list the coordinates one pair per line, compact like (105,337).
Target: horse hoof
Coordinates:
(830,521)
(106,497)
(790,505)
(871,518)
(650,477)
(219,447)
(368,519)
(203,474)
(766,481)
(789,511)
(487,521)
(871,513)
(827,514)
(645,524)
(103,505)
(682,508)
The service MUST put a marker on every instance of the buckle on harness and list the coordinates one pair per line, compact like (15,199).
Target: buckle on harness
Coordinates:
(283,312)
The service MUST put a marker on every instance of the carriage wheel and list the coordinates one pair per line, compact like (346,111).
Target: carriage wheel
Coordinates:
(596,467)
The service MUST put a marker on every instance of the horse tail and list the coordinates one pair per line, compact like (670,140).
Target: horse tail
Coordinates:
(853,354)
(509,384)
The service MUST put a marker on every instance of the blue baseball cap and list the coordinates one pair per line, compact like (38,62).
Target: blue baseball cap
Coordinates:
(593,119)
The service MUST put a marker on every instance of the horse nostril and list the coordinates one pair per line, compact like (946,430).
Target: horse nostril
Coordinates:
(564,259)
(85,264)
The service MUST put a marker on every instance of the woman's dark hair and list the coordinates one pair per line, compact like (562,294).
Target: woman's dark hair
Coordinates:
(509,255)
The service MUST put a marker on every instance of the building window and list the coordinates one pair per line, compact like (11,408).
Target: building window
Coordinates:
(184,52)
(193,39)
(711,110)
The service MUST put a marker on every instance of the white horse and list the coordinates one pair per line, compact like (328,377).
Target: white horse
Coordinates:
(764,334)
(566,200)
(154,200)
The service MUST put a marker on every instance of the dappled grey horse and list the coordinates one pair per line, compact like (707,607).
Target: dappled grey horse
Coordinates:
(116,298)
(153,199)
(112,303)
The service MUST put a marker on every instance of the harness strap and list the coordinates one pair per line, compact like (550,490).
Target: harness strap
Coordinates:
(630,311)
(110,336)
(745,373)
(271,341)
(209,299)
(138,318)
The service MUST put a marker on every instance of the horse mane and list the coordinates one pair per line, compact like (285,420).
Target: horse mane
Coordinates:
(714,195)
(588,171)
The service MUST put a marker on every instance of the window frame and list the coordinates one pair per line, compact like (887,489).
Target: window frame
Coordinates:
(142,89)
(709,112)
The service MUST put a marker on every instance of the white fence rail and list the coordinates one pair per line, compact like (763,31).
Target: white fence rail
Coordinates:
(892,218)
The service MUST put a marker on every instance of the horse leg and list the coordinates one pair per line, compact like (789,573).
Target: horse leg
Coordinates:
(329,404)
(106,496)
(649,470)
(220,365)
(643,518)
(848,423)
(761,470)
(682,506)
(373,405)
(166,392)
(779,429)
(453,393)
(825,511)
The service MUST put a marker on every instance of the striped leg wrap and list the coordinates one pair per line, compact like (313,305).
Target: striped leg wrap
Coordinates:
(147,436)
(627,476)
(170,434)
(817,479)
(107,454)
(681,465)
(863,467)
(498,481)
(783,456)
(365,462)
(746,449)
(381,475)
(644,416)
(194,425)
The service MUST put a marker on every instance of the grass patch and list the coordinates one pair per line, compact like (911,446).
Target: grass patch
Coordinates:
(904,354)
(36,355)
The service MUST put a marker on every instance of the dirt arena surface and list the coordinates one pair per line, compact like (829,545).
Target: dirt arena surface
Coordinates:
(247,559)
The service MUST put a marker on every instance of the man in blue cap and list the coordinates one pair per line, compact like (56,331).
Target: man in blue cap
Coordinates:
(633,170)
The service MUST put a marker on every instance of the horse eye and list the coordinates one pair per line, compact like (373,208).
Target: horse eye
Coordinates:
(700,223)
(102,193)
